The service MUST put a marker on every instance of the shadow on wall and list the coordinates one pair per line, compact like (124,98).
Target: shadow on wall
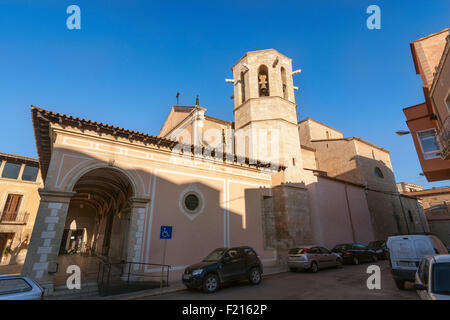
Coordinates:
(390,212)
(339,213)
(13,251)
(373,173)
(204,211)
(18,251)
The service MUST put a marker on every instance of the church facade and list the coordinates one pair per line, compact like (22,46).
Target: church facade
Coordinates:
(265,180)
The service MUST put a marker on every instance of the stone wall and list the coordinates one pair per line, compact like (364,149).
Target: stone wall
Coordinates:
(292,218)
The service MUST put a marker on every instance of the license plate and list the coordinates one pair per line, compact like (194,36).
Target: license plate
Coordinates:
(407,263)
(186,276)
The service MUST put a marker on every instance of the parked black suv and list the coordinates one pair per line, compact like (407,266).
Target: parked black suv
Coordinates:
(224,265)
(355,253)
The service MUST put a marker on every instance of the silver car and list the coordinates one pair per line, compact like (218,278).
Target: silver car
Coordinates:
(433,278)
(19,287)
(312,258)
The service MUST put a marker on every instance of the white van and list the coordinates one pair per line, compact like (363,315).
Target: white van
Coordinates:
(405,253)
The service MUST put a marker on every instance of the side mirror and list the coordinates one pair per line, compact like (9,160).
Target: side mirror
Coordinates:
(420,286)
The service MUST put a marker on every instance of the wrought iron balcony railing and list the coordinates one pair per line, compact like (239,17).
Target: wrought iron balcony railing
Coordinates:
(444,139)
(8,217)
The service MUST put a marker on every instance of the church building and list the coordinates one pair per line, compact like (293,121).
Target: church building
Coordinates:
(266,180)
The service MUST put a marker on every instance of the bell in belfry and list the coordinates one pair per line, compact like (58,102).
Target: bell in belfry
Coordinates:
(262,82)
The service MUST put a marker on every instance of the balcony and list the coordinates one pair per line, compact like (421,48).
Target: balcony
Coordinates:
(14,218)
(444,139)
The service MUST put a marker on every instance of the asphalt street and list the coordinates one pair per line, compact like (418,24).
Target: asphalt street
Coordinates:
(349,282)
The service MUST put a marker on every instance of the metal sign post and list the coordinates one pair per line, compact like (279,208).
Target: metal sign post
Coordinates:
(165,233)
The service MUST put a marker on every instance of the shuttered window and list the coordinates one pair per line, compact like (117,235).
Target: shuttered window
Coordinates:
(11,208)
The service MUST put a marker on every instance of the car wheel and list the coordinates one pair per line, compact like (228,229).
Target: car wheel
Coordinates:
(314,267)
(211,283)
(400,284)
(339,263)
(374,258)
(255,276)
(355,261)
(292,269)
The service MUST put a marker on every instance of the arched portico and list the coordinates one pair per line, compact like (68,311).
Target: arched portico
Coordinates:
(97,213)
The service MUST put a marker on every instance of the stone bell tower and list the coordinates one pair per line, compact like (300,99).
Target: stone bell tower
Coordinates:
(266,115)
(265,111)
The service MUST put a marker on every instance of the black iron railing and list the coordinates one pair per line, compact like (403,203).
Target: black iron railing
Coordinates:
(444,139)
(125,276)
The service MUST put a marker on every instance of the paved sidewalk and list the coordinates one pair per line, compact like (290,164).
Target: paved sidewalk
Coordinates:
(175,286)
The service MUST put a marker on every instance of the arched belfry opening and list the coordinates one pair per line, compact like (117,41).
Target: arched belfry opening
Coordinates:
(263,81)
(242,80)
(284,83)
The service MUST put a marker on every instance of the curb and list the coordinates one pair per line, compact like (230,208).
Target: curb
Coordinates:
(152,294)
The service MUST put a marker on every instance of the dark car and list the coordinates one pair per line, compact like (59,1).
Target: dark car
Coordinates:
(380,248)
(355,253)
(224,265)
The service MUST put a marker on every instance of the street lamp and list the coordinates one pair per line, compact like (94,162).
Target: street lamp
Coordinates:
(402,132)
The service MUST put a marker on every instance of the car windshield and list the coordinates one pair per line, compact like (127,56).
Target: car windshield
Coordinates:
(375,244)
(296,251)
(341,247)
(215,255)
(441,278)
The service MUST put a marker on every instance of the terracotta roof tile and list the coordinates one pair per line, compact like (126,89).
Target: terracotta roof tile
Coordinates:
(41,122)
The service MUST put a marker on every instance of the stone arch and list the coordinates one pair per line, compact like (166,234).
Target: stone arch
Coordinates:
(108,191)
(132,177)
(108,206)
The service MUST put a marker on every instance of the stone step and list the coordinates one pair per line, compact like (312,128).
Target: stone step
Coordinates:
(62,292)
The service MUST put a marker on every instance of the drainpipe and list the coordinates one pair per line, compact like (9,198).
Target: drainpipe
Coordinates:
(350,214)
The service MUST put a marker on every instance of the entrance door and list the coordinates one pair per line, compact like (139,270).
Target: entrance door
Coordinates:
(75,241)
(62,247)
(72,241)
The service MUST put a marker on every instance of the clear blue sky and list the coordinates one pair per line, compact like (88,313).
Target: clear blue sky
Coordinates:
(126,64)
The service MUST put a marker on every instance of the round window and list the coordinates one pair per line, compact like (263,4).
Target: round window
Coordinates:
(191,202)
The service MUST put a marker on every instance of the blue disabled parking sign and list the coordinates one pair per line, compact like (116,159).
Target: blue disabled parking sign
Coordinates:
(166,232)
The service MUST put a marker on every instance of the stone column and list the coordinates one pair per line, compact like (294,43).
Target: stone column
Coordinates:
(136,230)
(42,255)
(292,217)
